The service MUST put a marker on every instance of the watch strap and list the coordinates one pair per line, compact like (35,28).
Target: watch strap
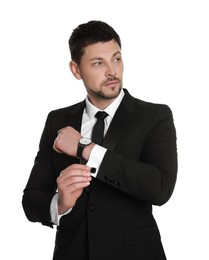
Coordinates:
(80,151)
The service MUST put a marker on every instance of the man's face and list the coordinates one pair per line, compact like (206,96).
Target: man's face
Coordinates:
(101,69)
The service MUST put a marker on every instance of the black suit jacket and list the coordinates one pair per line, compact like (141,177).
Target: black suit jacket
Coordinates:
(113,219)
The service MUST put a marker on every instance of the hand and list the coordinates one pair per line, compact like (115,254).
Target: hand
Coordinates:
(67,141)
(70,185)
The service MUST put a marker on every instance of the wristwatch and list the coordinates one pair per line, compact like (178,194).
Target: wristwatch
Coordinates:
(83,142)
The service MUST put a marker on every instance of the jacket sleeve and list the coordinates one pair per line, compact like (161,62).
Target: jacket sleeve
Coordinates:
(152,177)
(41,185)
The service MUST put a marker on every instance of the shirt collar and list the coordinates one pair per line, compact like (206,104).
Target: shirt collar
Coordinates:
(91,110)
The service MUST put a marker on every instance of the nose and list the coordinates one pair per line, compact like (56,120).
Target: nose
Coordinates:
(110,72)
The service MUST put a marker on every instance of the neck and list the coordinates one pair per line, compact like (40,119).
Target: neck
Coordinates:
(100,103)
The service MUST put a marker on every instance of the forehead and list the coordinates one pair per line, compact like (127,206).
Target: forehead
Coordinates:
(101,49)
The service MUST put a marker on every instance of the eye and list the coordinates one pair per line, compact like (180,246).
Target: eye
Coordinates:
(117,59)
(97,63)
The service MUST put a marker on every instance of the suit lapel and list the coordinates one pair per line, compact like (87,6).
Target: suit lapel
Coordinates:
(74,116)
(120,122)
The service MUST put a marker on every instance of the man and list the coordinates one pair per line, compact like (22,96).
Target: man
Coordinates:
(100,193)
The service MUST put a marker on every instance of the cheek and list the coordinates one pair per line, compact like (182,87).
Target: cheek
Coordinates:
(94,79)
(90,81)
(120,70)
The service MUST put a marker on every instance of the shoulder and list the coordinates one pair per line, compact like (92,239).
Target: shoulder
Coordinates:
(146,107)
(155,115)
(66,110)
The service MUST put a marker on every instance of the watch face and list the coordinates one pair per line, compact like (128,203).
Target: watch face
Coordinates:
(85,141)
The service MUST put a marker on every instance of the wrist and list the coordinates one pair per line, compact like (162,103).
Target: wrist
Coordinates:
(87,151)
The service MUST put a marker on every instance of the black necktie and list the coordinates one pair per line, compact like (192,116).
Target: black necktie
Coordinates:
(98,129)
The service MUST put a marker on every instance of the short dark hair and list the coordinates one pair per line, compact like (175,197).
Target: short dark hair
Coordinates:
(90,33)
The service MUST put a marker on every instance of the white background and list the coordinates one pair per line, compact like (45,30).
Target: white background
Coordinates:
(165,46)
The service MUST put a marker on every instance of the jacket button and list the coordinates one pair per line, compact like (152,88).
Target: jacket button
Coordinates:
(91,207)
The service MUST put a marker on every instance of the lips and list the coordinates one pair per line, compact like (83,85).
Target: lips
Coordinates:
(113,82)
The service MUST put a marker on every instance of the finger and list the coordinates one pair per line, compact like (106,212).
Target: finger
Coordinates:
(78,186)
(55,147)
(74,186)
(75,168)
(70,181)
(66,189)
(56,142)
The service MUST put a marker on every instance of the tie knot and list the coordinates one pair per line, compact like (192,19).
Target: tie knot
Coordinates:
(101,115)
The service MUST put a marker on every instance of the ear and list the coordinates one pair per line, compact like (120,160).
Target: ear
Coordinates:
(75,69)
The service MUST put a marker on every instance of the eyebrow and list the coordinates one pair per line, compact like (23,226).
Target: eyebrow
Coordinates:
(99,58)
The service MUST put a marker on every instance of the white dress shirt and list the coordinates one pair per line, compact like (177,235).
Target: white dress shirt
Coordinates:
(98,152)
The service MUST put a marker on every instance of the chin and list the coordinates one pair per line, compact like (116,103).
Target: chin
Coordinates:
(111,92)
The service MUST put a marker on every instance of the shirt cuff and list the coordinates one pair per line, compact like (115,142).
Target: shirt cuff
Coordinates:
(96,157)
(55,217)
